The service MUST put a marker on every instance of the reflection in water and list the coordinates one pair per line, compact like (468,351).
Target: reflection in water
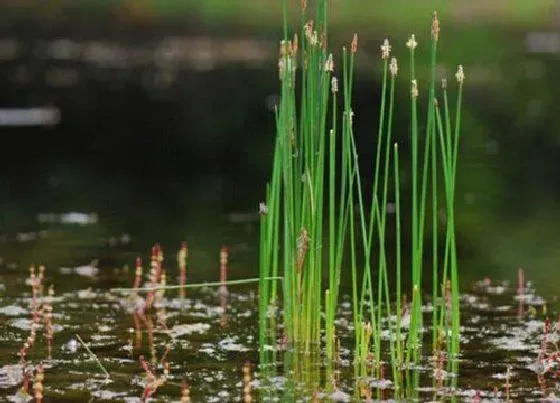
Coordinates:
(29,117)
(185,392)
(38,383)
(247,379)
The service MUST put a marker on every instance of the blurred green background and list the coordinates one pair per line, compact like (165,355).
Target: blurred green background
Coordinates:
(166,124)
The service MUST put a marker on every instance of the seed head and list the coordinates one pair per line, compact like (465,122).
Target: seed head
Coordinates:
(263,208)
(460,75)
(411,43)
(354,46)
(435,27)
(334,85)
(414,89)
(443,83)
(289,49)
(393,67)
(308,29)
(329,64)
(283,48)
(385,49)
(281,68)
(295,44)
(313,40)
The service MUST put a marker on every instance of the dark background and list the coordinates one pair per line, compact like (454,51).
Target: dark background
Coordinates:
(167,128)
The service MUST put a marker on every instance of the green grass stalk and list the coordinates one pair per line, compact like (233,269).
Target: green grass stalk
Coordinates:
(412,349)
(431,138)
(398,308)
(455,292)
(383,275)
(196,285)
(93,356)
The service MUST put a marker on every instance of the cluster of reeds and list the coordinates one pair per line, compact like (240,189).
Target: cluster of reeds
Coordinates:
(315,215)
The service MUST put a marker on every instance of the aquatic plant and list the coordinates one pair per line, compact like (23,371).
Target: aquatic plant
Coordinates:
(48,320)
(41,308)
(153,382)
(315,184)
(182,263)
(155,273)
(223,270)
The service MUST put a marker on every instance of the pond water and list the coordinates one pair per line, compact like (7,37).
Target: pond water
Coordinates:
(208,338)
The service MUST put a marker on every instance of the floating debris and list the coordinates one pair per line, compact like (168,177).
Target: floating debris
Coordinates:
(188,329)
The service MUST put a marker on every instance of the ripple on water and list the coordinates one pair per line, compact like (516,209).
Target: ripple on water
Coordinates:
(230,344)
(188,329)
(13,310)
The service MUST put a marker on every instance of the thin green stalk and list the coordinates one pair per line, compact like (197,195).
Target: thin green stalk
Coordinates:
(456,321)
(447,156)
(197,285)
(380,131)
(445,133)
(329,328)
(263,271)
(348,173)
(93,357)
(416,303)
(398,261)
(431,138)
(332,220)
(382,229)
(434,235)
